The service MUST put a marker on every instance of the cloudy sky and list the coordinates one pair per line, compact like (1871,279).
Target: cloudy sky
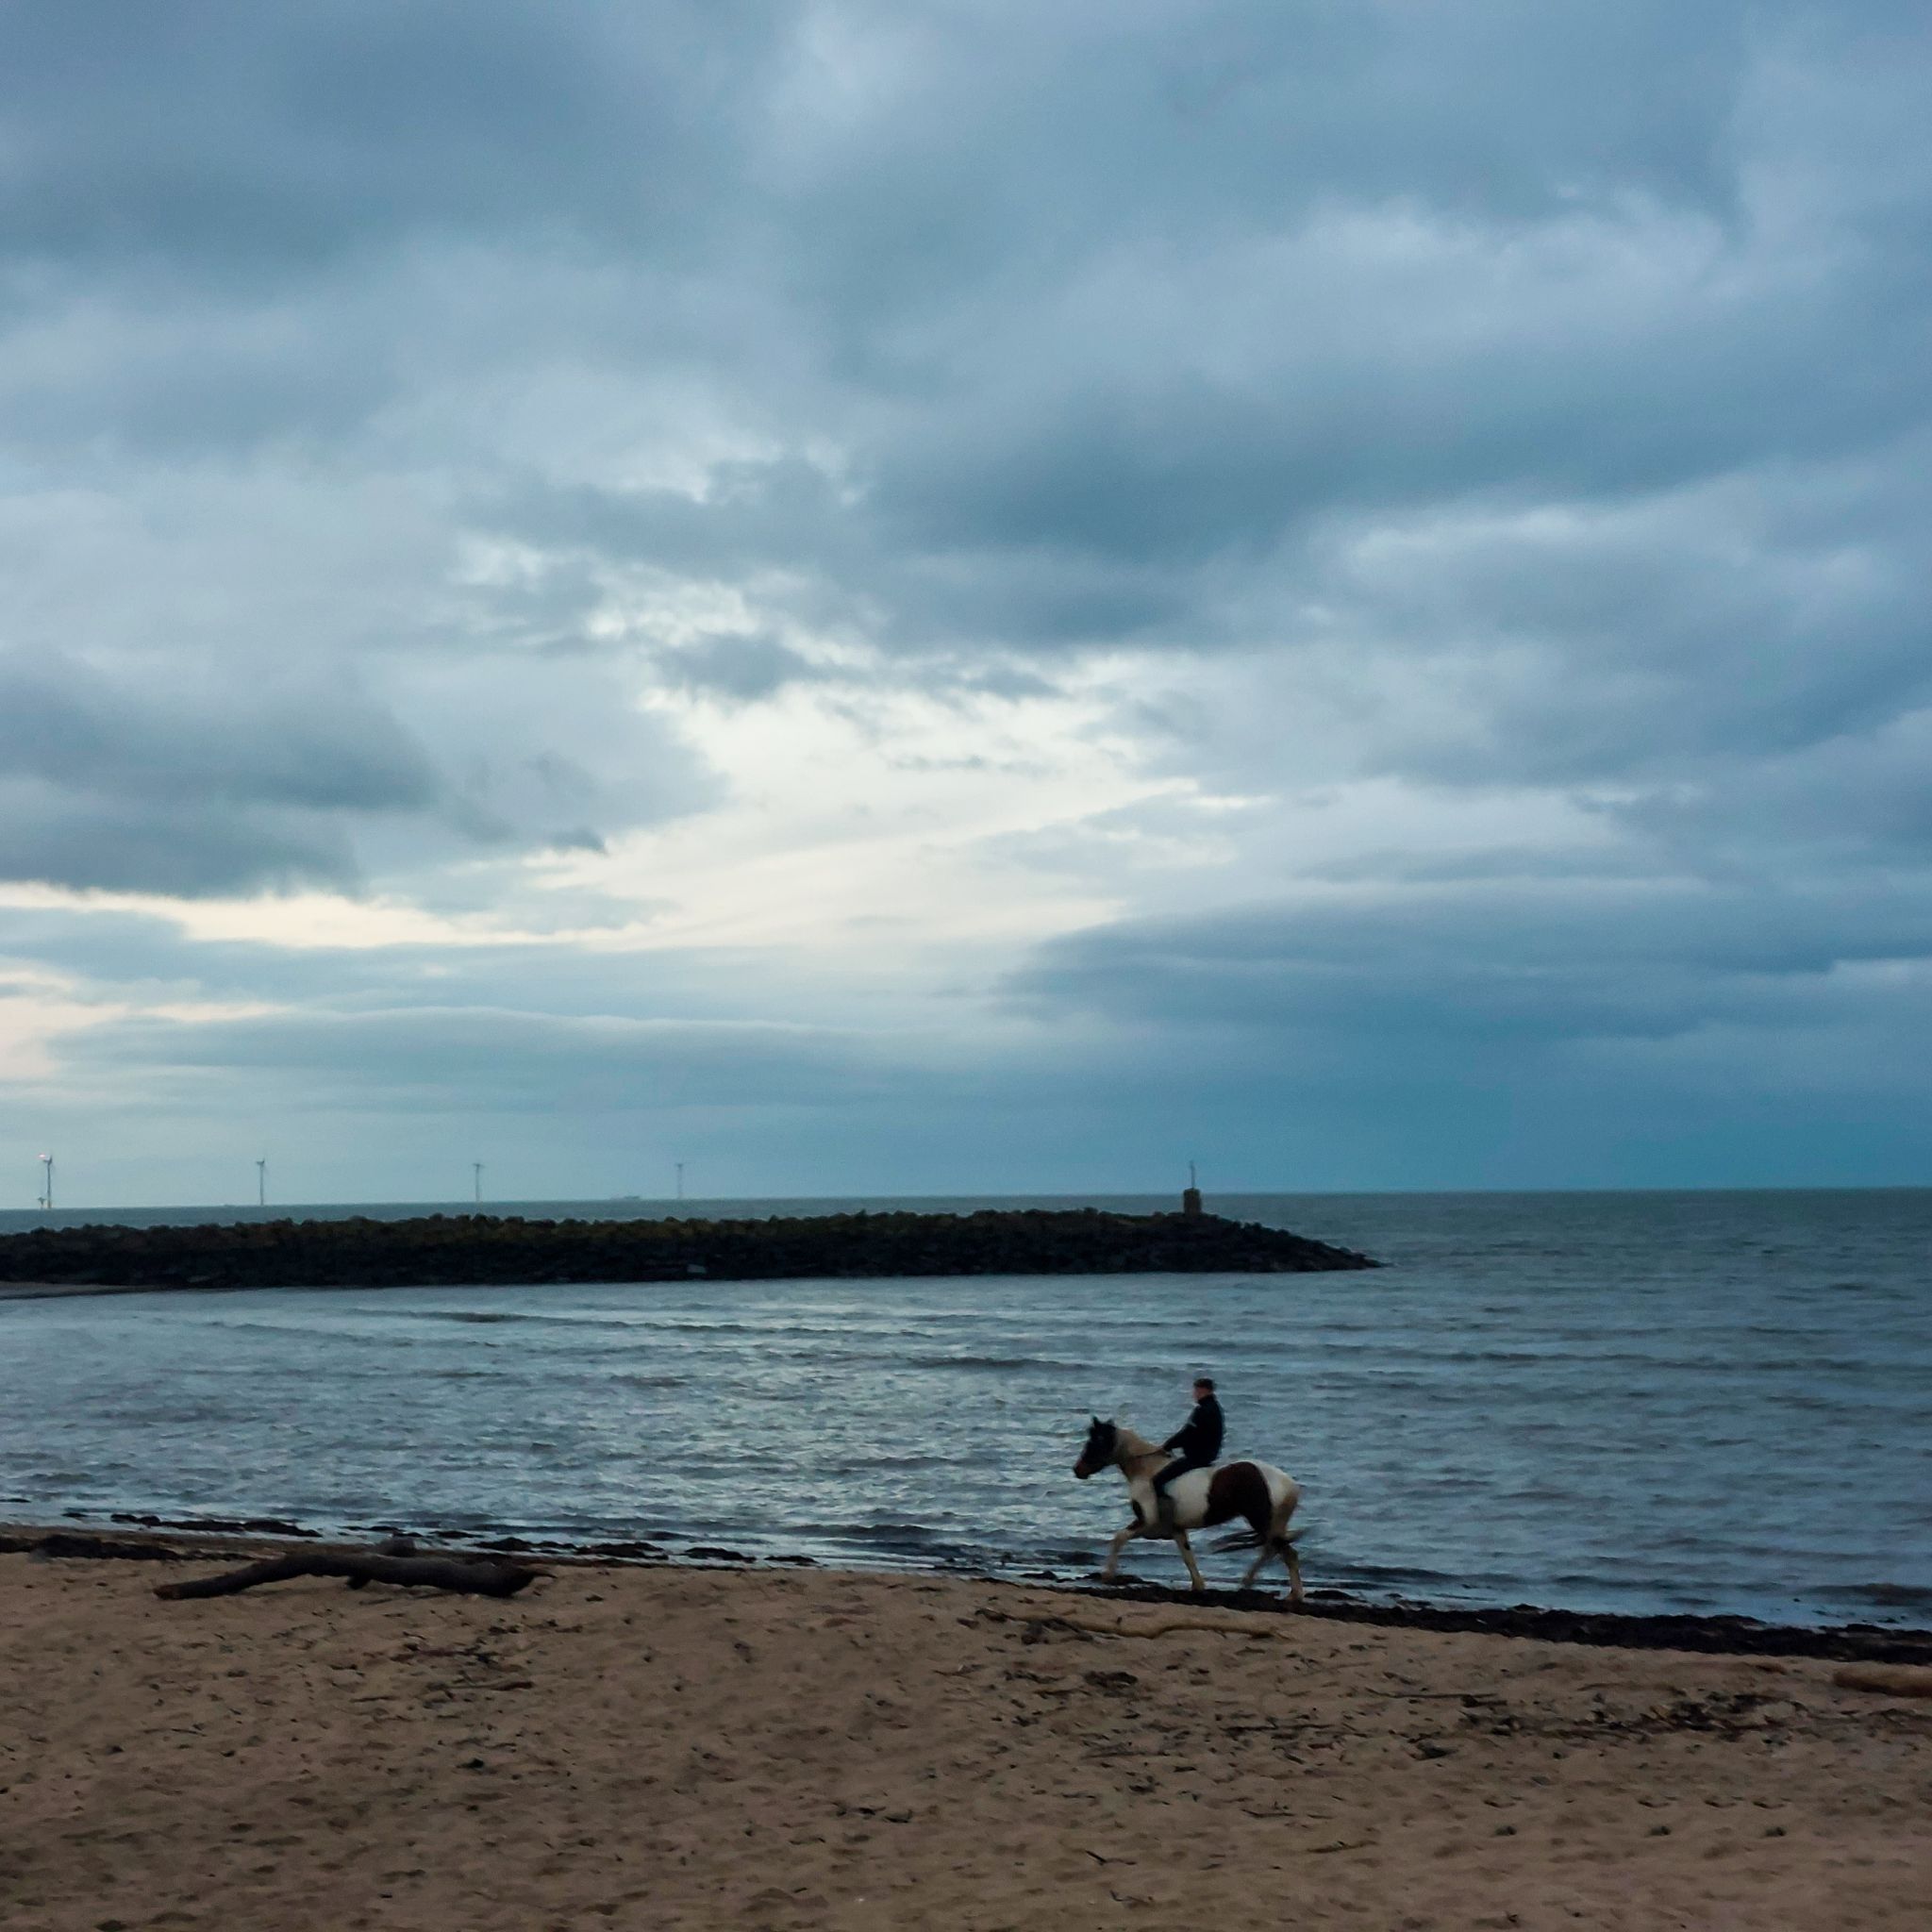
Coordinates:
(938,596)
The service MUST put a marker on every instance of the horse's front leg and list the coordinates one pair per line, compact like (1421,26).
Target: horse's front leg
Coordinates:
(1114,1549)
(1180,1535)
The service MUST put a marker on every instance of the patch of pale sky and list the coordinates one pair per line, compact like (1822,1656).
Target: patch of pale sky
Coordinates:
(299,920)
(40,1011)
(870,820)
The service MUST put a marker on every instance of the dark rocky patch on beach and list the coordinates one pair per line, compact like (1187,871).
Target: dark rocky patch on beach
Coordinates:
(466,1250)
(1706,1635)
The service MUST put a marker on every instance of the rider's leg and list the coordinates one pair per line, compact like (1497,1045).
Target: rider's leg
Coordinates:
(1163,1502)
(1156,1504)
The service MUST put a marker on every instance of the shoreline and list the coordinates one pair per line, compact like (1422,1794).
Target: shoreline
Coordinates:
(130,1536)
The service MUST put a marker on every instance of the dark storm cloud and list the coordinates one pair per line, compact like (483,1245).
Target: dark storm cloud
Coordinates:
(211,136)
(63,725)
(1110,310)
(189,784)
(105,784)
(1471,964)
(1647,642)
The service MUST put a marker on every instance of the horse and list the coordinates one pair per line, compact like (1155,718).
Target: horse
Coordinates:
(1260,1495)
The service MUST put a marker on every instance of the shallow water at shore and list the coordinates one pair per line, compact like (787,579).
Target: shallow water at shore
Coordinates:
(1712,1403)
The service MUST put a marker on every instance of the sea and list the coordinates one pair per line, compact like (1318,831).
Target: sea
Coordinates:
(1707,1402)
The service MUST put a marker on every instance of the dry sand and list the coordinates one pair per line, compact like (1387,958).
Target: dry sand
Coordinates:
(676,1747)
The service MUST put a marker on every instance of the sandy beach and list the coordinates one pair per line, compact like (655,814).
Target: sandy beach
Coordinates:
(688,1747)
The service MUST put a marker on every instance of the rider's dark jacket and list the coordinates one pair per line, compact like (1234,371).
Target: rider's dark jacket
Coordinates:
(1198,1439)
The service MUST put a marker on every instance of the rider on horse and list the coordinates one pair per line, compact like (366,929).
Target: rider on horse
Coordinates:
(1195,1444)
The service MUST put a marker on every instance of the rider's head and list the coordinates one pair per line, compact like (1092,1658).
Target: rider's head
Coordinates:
(1203,1388)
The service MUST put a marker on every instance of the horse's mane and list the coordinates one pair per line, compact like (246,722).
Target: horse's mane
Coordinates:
(1132,1446)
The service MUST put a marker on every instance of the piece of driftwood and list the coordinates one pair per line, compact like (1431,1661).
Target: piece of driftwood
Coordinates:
(1166,1626)
(475,1576)
(1894,1680)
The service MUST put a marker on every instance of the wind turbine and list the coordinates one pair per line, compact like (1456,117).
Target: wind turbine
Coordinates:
(47,1190)
(680,1180)
(261,1183)
(477,1168)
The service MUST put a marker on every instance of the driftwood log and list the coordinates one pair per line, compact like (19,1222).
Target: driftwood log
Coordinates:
(1168,1625)
(1893,1680)
(476,1576)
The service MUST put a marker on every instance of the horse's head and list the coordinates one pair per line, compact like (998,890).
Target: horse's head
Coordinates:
(1102,1438)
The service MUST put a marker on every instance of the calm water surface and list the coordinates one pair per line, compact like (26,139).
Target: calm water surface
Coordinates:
(1714,1402)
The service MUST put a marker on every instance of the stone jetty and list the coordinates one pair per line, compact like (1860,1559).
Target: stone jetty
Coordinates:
(476,1249)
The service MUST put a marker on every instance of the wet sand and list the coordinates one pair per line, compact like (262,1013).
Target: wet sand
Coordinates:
(673,1746)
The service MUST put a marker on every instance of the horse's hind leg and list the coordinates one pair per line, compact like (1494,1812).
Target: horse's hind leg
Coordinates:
(1267,1519)
(1187,1549)
(1294,1564)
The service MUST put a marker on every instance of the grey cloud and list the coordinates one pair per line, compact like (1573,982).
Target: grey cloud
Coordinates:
(318,751)
(1108,321)
(737,666)
(105,785)
(428,1056)
(164,778)
(819,556)
(361,123)
(1858,805)
(1530,962)
(188,853)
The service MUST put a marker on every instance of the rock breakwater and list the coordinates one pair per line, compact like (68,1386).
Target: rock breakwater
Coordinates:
(480,1249)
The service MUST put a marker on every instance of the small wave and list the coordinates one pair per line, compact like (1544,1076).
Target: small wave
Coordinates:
(164,1418)
(995,1362)
(901,1534)
(475,1317)
(870,1465)
(491,1318)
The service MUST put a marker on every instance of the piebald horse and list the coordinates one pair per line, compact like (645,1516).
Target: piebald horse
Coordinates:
(1255,1492)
